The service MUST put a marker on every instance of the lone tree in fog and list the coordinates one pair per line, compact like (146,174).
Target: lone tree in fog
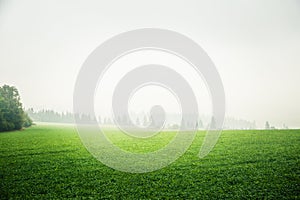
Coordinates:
(12,115)
(199,124)
(267,125)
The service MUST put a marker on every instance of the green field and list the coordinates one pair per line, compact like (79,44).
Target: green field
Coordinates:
(50,162)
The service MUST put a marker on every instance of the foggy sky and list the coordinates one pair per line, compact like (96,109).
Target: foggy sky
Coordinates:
(255,46)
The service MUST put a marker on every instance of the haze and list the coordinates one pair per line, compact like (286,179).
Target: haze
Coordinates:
(255,46)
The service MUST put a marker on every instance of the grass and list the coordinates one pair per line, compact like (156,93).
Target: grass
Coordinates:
(49,162)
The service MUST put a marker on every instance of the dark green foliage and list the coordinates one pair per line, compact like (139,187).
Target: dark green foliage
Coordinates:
(12,116)
(50,162)
(27,120)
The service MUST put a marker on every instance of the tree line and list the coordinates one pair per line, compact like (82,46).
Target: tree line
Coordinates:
(140,120)
(50,116)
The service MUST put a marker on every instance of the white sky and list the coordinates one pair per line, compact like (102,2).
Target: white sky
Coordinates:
(255,46)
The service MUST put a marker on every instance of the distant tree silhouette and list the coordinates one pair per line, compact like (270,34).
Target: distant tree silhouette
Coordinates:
(267,125)
(52,116)
(200,124)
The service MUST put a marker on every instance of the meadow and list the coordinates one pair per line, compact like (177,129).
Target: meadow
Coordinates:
(50,162)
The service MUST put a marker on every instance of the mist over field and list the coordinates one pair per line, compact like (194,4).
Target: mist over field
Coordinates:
(254,45)
(134,99)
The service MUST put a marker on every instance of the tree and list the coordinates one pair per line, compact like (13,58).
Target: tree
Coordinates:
(12,115)
(27,120)
(200,124)
(267,125)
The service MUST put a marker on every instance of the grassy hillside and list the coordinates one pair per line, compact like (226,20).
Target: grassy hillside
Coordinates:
(50,162)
